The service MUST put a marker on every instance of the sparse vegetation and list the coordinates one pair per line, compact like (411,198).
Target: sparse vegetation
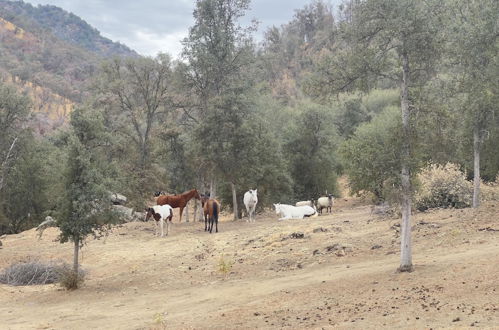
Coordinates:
(68,278)
(443,186)
(224,266)
(30,272)
(160,321)
(36,272)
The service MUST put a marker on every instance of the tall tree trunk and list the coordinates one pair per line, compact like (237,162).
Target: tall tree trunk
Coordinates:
(234,199)
(476,166)
(143,155)
(75,254)
(405,239)
(195,216)
(186,210)
(213,188)
(3,166)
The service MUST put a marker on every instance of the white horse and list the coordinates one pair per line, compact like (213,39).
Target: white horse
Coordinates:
(294,212)
(250,200)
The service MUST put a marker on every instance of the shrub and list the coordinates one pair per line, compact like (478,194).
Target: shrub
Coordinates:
(35,272)
(29,272)
(371,157)
(68,278)
(224,266)
(443,186)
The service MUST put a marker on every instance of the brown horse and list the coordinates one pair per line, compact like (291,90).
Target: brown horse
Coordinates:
(211,208)
(179,201)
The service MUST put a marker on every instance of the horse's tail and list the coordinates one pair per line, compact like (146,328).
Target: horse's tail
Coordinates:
(215,211)
(313,215)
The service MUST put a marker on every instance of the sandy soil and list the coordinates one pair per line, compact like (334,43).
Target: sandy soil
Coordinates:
(340,274)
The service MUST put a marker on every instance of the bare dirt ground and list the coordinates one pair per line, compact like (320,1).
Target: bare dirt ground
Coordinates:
(340,274)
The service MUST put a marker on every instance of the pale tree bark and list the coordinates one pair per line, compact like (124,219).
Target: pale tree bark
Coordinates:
(476,166)
(186,210)
(405,239)
(75,254)
(213,188)
(196,213)
(5,163)
(234,199)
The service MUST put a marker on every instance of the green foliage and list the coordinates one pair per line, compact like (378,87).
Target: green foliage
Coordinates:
(473,64)
(371,158)
(174,157)
(86,205)
(311,151)
(14,109)
(25,198)
(134,95)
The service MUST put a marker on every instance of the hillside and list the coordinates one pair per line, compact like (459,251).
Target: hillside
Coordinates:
(341,274)
(64,25)
(50,54)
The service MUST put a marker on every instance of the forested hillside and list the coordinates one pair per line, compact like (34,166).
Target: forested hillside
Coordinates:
(62,24)
(401,97)
(51,55)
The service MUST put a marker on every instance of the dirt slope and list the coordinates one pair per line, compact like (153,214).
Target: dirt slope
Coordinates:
(340,274)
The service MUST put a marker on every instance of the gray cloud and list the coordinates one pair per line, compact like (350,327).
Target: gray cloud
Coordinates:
(152,26)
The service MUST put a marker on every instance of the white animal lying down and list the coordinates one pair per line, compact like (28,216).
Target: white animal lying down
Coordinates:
(294,212)
(305,203)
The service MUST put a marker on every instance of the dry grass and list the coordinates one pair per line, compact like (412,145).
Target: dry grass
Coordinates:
(30,272)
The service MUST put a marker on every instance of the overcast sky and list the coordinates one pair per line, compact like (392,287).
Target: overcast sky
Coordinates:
(152,26)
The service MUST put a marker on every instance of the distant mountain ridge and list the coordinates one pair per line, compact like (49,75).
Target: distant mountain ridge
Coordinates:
(51,55)
(64,25)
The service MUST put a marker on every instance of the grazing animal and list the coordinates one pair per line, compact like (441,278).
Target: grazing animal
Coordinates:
(250,200)
(211,210)
(325,203)
(179,201)
(159,193)
(160,213)
(294,212)
(306,203)
(49,222)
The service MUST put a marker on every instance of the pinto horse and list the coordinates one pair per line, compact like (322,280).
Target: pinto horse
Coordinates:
(179,201)
(211,210)
(160,213)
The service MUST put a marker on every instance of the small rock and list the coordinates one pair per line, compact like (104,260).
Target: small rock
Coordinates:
(297,235)
(457,319)
(340,253)
(376,246)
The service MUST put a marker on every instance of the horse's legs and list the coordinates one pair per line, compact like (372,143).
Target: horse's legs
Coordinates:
(205,223)
(248,213)
(216,224)
(212,220)
(162,224)
(181,210)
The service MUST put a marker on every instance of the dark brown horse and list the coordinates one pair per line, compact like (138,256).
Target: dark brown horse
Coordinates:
(211,208)
(179,201)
